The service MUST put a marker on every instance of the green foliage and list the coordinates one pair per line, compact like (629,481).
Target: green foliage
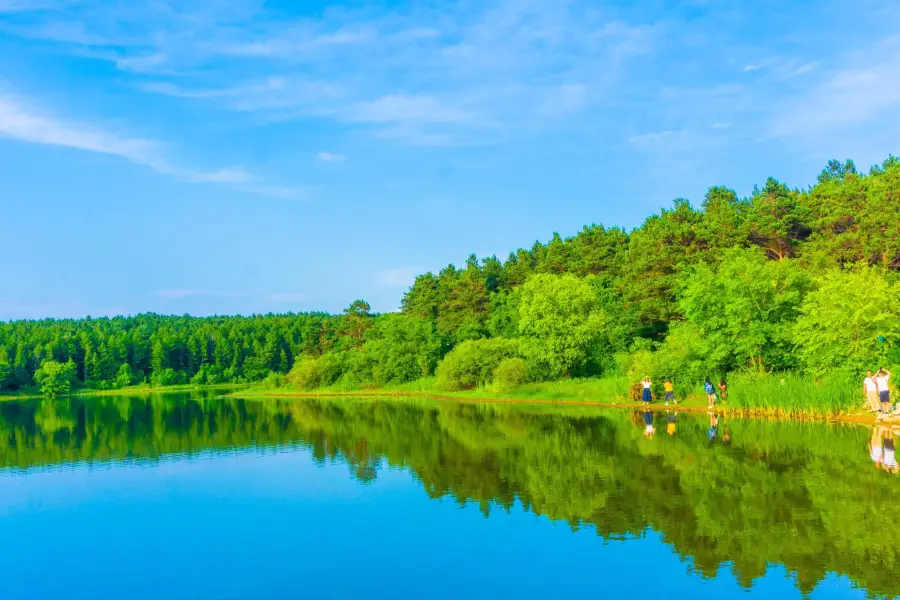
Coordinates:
(312,372)
(744,309)
(510,374)
(559,319)
(404,348)
(690,292)
(844,321)
(5,369)
(124,376)
(274,381)
(167,376)
(472,363)
(55,378)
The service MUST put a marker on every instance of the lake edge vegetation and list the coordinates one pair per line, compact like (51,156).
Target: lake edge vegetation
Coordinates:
(789,295)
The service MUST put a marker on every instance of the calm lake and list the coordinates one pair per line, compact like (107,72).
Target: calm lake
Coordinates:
(190,496)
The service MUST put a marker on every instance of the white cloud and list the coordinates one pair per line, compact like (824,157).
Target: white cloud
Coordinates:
(287,297)
(12,6)
(180,294)
(448,74)
(20,121)
(862,91)
(258,296)
(395,108)
(399,277)
(753,67)
(331,157)
(646,139)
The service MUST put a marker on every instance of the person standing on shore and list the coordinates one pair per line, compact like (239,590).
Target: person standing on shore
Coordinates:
(710,392)
(670,391)
(870,389)
(723,389)
(646,395)
(882,381)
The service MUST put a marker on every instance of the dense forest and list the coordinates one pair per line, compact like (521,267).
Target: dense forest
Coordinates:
(810,506)
(801,280)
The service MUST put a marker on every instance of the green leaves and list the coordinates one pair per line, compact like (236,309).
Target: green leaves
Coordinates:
(55,378)
(559,319)
(842,320)
(744,310)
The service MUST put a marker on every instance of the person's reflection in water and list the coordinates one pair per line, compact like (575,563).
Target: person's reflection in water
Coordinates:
(890,459)
(875,447)
(713,426)
(671,417)
(648,424)
(726,436)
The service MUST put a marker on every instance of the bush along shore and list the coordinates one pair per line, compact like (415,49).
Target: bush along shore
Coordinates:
(789,294)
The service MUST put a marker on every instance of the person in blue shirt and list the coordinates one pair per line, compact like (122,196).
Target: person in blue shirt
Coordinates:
(710,392)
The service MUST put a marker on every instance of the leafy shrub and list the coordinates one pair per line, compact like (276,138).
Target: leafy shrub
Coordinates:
(274,380)
(124,376)
(509,374)
(55,378)
(165,377)
(472,363)
(310,373)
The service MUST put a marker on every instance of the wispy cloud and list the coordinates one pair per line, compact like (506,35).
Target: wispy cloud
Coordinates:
(331,157)
(448,74)
(654,137)
(180,294)
(255,295)
(19,120)
(287,297)
(399,277)
(858,93)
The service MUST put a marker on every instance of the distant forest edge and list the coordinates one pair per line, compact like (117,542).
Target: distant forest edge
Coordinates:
(794,281)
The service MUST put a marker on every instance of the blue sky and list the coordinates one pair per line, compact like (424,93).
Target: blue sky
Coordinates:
(226,156)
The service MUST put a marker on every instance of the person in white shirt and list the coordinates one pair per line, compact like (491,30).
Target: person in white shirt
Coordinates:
(870,389)
(882,379)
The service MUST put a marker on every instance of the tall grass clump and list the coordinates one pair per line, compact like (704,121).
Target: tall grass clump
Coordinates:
(795,394)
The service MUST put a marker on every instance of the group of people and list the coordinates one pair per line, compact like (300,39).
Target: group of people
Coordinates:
(669,387)
(878,393)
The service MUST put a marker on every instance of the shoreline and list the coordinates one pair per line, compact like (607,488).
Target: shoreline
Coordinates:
(128,391)
(776,414)
(693,404)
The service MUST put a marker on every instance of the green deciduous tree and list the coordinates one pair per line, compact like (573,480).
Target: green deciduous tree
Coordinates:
(745,308)
(55,378)
(844,321)
(559,319)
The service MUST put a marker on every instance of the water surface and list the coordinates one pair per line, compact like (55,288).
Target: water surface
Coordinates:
(190,496)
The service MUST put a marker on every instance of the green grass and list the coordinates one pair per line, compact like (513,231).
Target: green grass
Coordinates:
(795,394)
(132,390)
(772,394)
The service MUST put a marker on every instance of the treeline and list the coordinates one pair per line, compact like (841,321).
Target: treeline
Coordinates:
(585,468)
(116,352)
(782,280)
